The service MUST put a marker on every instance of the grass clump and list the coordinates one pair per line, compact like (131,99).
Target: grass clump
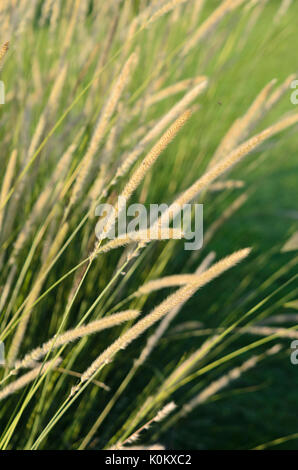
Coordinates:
(152,101)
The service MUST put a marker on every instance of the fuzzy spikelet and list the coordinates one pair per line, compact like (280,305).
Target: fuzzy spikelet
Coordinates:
(178,87)
(285,5)
(27,378)
(141,236)
(3,51)
(161,415)
(291,244)
(167,281)
(244,125)
(279,92)
(229,184)
(165,8)
(225,380)
(241,128)
(37,136)
(101,127)
(138,176)
(210,23)
(7,181)
(268,331)
(154,153)
(73,335)
(187,99)
(162,309)
(166,410)
(164,324)
(227,163)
